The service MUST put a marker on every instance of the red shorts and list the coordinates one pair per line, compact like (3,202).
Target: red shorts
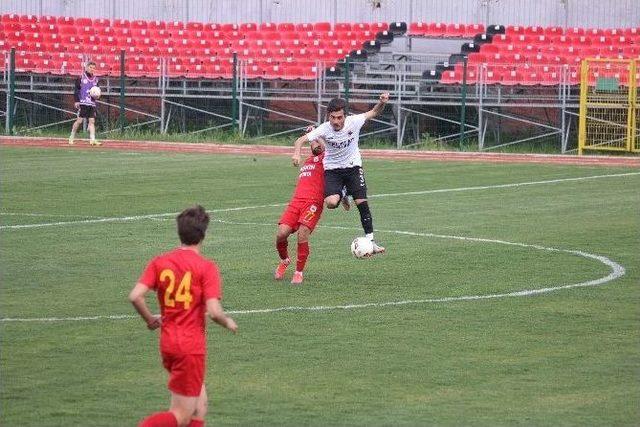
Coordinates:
(186,373)
(302,212)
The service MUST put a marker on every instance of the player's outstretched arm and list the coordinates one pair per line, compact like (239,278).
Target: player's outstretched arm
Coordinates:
(297,147)
(217,314)
(136,297)
(377,109)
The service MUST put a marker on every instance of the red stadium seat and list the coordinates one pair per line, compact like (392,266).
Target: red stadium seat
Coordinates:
(342,26)
(289,35)
(455,30)
(10,17)
(51,38)
(195,26)
(317,43)
(86,31)
(140,33)
(514,30)
(376,27)
(13,37)
(510,77)
(472,29)
(322,26)
(286,26)
(418,28)
(553,31)
(304,26)
(48,28)
(594,32)
(65,20)
(106,31)
(229,27)
(310,35)
(157,25)
(574,31)
(293,44)
(175,26)
(121,23)
(477,57)
(83,22)
(28,19)
(29,27)
(436,29)
(139,24)
(534,31)
(159,34)
(136,69)
(32,38)
(248,27)
(531,77)
(11,27)
(268,27)
(272,72)
(451,77)
(254,72)
(101,23)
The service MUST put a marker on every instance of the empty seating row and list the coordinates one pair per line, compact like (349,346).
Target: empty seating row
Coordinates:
(571,31)
(532,76)
(524,57)
(26,20)
(440,29)
(34,39)
(564,40)
(88,31)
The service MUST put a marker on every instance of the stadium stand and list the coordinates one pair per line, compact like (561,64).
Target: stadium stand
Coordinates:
(541,52)
(511,55)
(101,41)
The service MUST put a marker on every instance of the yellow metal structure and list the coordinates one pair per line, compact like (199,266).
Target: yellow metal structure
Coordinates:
(609,105)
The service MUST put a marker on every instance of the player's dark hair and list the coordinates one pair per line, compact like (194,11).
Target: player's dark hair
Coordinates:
(192,225)
(91,63)
(336,104)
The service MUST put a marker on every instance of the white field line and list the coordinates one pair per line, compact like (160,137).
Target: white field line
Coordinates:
(444,190)
(49,215)
(519,184)
(617,271)
(127,218)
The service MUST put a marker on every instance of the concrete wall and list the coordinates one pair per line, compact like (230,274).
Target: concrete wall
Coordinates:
(584,13)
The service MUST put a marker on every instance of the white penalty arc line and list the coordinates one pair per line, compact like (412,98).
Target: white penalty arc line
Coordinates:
(617,271)
(410,193)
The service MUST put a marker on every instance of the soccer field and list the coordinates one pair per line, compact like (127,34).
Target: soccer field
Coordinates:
(509,294)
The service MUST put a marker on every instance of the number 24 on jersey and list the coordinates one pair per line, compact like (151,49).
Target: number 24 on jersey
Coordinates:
(181,294)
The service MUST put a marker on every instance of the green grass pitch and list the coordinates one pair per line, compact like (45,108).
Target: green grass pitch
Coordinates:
(566,357)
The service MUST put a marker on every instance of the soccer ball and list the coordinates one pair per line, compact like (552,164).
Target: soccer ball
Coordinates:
(361,247)
(95,92)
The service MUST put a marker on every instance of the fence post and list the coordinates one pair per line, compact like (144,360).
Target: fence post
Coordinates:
(347,73)
(122,118)
(11,87)
(463,102)
(234,93)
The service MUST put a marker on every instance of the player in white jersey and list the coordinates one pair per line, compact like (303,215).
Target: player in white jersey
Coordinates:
(342,161)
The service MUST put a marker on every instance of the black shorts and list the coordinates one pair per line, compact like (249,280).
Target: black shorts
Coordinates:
(87,112)
(352,178)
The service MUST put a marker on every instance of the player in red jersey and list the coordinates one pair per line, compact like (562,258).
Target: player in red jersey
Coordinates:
(303,213)
(187,285)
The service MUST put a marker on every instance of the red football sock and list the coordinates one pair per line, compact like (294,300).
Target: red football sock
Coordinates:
(303,254)
(196,422)
(282,249)
(160,419)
